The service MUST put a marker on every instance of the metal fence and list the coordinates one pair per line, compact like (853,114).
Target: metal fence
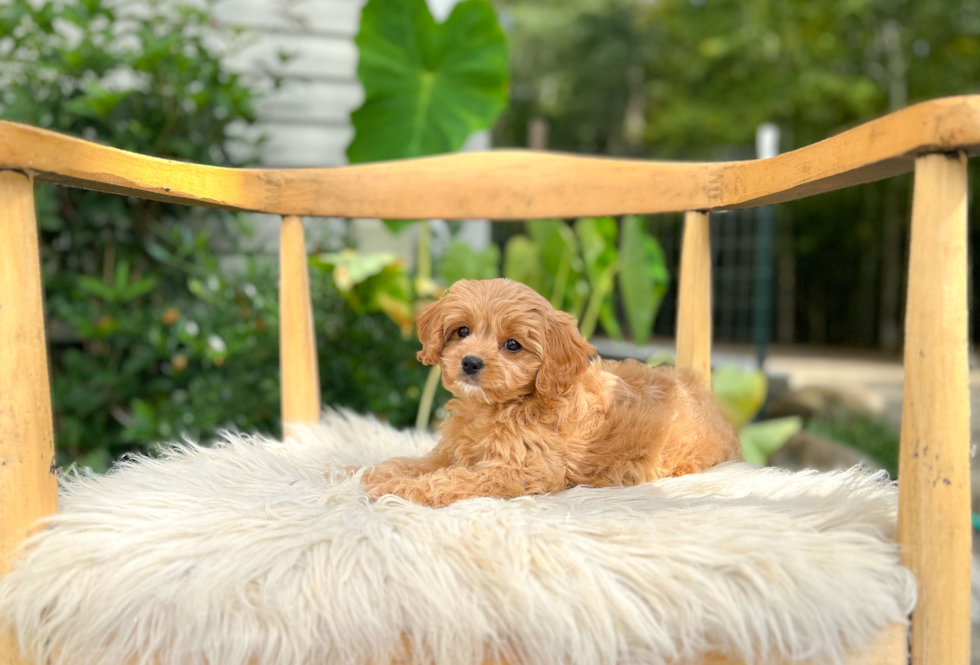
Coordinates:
(742,279)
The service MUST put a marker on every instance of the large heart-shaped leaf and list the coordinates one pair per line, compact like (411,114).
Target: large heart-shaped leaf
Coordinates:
(427,86)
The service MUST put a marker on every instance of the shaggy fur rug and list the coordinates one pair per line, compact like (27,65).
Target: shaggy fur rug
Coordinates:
(245,552)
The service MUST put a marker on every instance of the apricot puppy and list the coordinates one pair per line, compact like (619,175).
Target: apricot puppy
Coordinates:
(536,411)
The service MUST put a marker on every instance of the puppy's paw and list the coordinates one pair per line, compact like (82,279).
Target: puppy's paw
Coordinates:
(397,487)
(414,492)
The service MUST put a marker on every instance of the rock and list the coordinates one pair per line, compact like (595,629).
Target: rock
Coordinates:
(812,401)
(808,451)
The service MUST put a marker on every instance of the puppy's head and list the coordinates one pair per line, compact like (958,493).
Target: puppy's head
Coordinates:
(498,340)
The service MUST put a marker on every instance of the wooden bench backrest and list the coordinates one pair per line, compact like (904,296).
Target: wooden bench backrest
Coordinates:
(934,139)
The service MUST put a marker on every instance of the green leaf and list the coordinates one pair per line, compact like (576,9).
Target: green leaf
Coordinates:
(597,237)
(600,292)
(562,264)
(396,226)
(140,287)
(427,86)
(522,262)
(662,358)
(122,275)
(371,283)
(350,268)
(740,393)
(643,278)
(390,291)
(96,287)
(143,421)
(761,440)
(462,262)
(607,317)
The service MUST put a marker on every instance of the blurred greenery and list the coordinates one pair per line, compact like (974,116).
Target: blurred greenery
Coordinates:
(693,79)
(598,239)
(577,273)
(576,266)
(696,74)
(152,336)
(371,283)
(760,440)
(870,434)
(562,266)
(643,278)
(573,265)
(460,261)
(428,86)
(741,394)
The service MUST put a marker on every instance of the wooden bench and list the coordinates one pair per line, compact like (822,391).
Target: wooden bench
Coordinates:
(933,139)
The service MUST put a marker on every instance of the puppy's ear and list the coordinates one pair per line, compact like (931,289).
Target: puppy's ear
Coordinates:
(565,355)
(432,333)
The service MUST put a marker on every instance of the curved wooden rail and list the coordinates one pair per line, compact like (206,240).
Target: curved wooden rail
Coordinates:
(507,184)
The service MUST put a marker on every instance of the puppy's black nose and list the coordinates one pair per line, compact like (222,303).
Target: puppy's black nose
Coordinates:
(472,364)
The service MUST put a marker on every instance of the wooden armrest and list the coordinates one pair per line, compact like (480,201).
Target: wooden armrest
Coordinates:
(507,184)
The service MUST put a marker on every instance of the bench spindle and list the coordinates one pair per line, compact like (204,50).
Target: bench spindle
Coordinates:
(28,487)
(934,465)
(297,343)
(694,297)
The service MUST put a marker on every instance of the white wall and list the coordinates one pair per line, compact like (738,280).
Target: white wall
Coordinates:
(307,120)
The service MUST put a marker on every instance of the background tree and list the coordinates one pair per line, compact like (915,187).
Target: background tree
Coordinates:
(712,70)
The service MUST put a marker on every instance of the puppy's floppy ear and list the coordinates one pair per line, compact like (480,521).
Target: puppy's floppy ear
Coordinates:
(565,355)
(432,333)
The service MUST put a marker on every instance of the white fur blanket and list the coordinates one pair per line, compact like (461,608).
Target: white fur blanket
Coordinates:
(245,552)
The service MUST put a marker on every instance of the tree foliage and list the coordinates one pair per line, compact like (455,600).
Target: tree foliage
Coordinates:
(693,79)
(713,70)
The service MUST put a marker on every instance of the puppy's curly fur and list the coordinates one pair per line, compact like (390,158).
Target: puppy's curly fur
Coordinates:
(539,412)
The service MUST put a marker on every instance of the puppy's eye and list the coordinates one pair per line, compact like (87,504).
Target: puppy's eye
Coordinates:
(463,331)
(512,345)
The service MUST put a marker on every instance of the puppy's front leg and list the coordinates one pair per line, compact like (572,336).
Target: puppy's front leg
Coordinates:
(439,488)
(405,467)
(446,486)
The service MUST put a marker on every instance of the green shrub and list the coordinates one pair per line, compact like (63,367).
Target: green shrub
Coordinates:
(151,338)
(210,360)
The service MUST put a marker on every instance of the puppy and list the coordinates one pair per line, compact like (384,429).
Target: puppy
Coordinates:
(536,411)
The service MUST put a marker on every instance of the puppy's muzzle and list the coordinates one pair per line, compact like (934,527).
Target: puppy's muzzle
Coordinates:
(472,365)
